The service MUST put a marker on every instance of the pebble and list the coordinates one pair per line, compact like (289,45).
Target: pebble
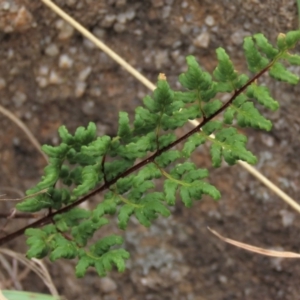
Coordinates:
(176,44)
(130,15)
(88,44)
(267,140)
(80,89)
(119,27)
(99,32)
(185,29)
(44,70)
(166,12)
(120,3)
(2,83)
(209,21)
(157,3)
(52,50)
(202,40)
(10,53)
(88,107)
(161,58)
(71,2)
(5,5)
(19,98)
(42,81)
(54,78)
(122,18)
(175,54)
(287,218)
(83,75)
(65,30)
(108,21)
(107,285)
(184,4)
(238,37)
(95,92)
(23,20)
(138,32)
(223,279)
(65,61)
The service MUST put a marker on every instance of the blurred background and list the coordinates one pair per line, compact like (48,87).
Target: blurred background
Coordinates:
(50,75)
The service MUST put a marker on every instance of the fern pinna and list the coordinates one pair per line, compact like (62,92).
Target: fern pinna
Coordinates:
(125,166)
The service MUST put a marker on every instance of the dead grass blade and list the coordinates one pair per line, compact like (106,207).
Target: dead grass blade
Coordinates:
(35,265)
(25,129)
(262,251)
(26,197)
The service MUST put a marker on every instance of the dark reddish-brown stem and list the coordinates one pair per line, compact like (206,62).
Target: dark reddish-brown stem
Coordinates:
(47,219)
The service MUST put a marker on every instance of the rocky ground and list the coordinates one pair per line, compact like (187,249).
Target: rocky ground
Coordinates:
(50,75)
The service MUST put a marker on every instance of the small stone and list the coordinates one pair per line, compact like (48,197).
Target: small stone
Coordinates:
(119,27)
(23,20)
(185,29)
(175,54)
(138,32)
(98,32)
(95,91)
(161,58)
(107,285)
(157,3)
(237,38)
(10,53)
(42,81)
(287,218)
(43,70)
(14,71)
(209,21)
(54,78)
(2,83)
(52,50)
(184,4)
(108,21)
(80,89)
(65,61)
(5,5)
(176,44)
(71,2)
(223,279)
(16,141)
(267,140)
(65,30)
(88,107)
(166,12)
(19,98)
(202,40)
(120,3)
(83,75)
(130,15)
(121,18)
(88,44)
(189,18)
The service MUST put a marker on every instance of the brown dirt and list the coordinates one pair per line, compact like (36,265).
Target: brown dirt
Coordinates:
(176,258)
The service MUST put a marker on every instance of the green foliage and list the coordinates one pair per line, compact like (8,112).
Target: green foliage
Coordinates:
(186,178)
(126,167)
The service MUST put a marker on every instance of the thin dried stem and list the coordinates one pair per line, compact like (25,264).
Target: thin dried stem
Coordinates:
(25,129)
(35,265)
(262,251)
(23,198)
